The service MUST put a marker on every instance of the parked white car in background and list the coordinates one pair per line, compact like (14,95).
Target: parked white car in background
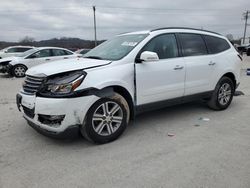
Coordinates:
(13,51)
(130,73)
(17,66)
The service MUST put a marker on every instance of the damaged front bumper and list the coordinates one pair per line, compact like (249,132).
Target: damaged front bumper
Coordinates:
(56,118)
(5,68)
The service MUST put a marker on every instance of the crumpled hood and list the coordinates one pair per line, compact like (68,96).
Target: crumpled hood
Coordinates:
(9,59)
(60,66)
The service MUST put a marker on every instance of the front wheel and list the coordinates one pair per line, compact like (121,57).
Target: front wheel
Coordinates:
(222,95)
(19,71)
(106,119)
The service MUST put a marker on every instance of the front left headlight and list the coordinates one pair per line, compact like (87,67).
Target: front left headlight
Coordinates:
(62,84)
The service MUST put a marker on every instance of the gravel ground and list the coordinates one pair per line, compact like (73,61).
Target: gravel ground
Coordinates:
(212,153)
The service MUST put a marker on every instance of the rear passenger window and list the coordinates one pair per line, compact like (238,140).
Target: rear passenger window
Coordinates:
(22,49)
(215,44)
(164,45)
(58,52)
(192,44)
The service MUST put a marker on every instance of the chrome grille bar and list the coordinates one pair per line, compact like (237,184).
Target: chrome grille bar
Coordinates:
(32,84)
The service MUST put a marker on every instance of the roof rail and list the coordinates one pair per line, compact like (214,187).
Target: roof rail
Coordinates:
(184,28)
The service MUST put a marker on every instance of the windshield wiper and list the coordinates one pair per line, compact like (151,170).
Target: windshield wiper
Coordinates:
(93,57)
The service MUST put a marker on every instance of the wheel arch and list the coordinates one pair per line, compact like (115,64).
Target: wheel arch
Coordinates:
(232,77)
(19,64)
(123,92)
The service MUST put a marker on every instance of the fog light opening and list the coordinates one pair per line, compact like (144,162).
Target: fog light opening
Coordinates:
(51,120)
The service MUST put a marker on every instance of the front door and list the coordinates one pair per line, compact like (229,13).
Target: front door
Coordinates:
(163,79)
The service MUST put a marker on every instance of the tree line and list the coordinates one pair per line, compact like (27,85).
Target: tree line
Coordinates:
(64,42)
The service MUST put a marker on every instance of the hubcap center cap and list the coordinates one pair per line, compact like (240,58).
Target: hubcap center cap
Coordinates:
(108,118)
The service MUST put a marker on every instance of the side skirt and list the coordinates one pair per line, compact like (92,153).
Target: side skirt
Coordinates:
(170,102)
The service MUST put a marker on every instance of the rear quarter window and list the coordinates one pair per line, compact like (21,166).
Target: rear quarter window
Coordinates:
(192,44)
(215,44)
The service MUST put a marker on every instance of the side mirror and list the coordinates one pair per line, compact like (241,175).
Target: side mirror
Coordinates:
(148,56)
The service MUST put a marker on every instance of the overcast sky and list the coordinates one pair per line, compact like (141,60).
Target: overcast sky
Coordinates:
(47,19)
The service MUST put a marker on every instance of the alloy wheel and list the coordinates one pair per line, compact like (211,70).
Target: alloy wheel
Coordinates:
(19,71)
(225,93)
(107,118)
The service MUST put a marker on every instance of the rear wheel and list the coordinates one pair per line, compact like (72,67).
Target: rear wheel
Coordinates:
(222,95)
(106,120)
(19,71)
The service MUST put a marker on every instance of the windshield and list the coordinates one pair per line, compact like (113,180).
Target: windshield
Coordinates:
(116,48)
(28,52)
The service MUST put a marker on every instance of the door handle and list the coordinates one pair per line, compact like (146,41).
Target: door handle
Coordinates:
(211,63)
(65,58)
(47,59)
(178,67)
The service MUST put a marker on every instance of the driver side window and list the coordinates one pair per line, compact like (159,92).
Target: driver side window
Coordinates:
(164,45)
(41,53)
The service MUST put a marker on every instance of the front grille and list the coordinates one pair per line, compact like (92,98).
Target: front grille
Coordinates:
(29,112)
(32,84)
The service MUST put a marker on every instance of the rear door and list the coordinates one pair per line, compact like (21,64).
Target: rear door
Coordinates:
(59,54)
(199,65)
(163,79)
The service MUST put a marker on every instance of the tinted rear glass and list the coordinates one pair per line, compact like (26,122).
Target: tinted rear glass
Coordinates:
(22,49)
(192,44)
(215,44)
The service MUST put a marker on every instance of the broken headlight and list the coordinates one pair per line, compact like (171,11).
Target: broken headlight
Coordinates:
(63,84)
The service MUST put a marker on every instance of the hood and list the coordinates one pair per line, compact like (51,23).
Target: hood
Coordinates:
(9,59)
(60,66)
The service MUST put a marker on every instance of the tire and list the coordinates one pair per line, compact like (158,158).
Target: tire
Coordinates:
(222,95)
(19,71)
(101,125)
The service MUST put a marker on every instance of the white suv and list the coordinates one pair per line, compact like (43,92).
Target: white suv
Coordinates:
(131,73)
